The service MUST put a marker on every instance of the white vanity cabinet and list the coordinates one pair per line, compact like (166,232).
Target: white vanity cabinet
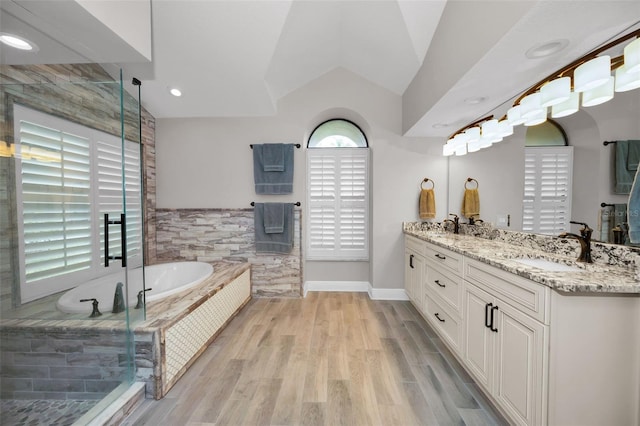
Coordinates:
(414,269)
(544,357)
(443,294)
(506,349)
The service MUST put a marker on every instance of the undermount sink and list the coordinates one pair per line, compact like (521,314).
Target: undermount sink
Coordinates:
(548,265)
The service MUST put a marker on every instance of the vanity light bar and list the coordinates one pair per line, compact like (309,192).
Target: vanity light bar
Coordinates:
(593,84)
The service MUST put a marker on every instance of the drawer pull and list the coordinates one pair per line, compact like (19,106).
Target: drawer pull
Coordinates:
(486,315)
(411,261)
(437,315)
(439,284)
(494,329)
(441,257)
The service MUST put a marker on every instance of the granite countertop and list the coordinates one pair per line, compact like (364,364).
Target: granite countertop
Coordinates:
(591,278)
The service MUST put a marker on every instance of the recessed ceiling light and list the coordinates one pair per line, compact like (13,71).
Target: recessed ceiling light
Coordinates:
(175,92)
(475,100)
(546,49)
(17,42)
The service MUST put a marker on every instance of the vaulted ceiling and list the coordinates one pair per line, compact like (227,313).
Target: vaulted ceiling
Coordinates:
(239,58)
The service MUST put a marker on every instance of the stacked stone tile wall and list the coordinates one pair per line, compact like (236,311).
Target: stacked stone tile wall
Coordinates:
(228,234)
(61,363)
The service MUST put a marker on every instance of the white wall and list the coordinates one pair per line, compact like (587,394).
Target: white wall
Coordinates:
(207,163)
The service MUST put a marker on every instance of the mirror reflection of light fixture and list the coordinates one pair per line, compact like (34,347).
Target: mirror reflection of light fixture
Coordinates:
(592,80)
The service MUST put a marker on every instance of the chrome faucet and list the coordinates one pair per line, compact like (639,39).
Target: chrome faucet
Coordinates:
(118,300)
(584,239)
(455,221)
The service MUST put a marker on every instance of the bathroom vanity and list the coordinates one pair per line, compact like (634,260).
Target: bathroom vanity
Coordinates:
(550,341)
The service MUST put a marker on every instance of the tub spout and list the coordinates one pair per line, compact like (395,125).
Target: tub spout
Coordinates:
(118,300)
(95,312)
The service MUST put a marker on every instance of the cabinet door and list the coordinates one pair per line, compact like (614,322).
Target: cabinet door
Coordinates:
(519,362)
(479,339)
(413,277)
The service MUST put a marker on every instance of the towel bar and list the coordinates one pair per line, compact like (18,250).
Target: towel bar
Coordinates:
(606,205)
(296,145)
(295,204)
(605,143)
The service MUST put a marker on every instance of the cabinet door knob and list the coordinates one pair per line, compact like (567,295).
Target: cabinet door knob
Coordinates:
(437,315)
(439,256)
(439,284)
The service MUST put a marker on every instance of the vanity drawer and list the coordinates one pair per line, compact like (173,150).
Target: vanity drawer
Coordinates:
(447,258)
(447,324)
(529,297)
(446,285)
(414,244)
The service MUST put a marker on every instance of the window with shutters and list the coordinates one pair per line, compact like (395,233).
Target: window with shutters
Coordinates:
(338,193)
(67,177)
(547,190)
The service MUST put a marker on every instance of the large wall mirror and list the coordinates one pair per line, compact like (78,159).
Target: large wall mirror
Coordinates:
(500,170)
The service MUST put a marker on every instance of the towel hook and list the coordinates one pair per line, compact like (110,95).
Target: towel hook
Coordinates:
(433,184)
(471,180)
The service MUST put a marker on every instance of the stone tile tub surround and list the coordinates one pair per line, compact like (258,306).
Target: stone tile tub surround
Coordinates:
(84,358)
(616,269)
(208,235)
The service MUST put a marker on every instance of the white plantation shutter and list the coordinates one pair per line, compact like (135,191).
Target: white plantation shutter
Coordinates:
(337,200)
(56,201)
(547,190)
(67,176)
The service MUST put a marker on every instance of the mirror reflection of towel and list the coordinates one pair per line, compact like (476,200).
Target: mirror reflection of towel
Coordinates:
(427,204)
(471,203)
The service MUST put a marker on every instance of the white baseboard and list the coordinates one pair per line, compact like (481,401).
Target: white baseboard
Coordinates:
(356,286)
(350,286)
(387,294)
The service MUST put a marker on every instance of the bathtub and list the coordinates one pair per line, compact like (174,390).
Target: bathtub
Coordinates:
(163,279)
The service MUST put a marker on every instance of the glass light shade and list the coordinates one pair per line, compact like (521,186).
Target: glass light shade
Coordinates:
(568,107)
(475,146)
(555,91)
(539,118)
(514,116)
(448,149)
(473,133)
(626,80)
(490,128)
(530,106)
(459,140)
(632,56)
(592,74)
(505,128)
(461,150)
(598,95)
(485,142)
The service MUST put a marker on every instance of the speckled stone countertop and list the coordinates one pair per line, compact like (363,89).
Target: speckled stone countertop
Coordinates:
(591,278)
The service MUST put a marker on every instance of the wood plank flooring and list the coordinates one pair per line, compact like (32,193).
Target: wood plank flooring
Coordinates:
(327,359)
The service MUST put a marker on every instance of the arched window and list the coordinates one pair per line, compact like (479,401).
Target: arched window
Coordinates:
(338,192)
(337,133)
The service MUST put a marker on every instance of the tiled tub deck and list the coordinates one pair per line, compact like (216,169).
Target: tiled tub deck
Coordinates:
(84,359)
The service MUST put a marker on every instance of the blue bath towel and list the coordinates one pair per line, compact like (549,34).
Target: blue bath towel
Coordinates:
(633,210)
(274,218)
(626,163)
(273,182)
(273,157)
(280,243)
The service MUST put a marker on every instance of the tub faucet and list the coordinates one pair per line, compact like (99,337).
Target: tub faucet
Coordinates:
(455,221)
(584,239)
(95,312)
(118,300)
(140,303)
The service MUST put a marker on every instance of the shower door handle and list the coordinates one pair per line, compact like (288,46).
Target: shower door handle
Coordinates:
(123,239)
